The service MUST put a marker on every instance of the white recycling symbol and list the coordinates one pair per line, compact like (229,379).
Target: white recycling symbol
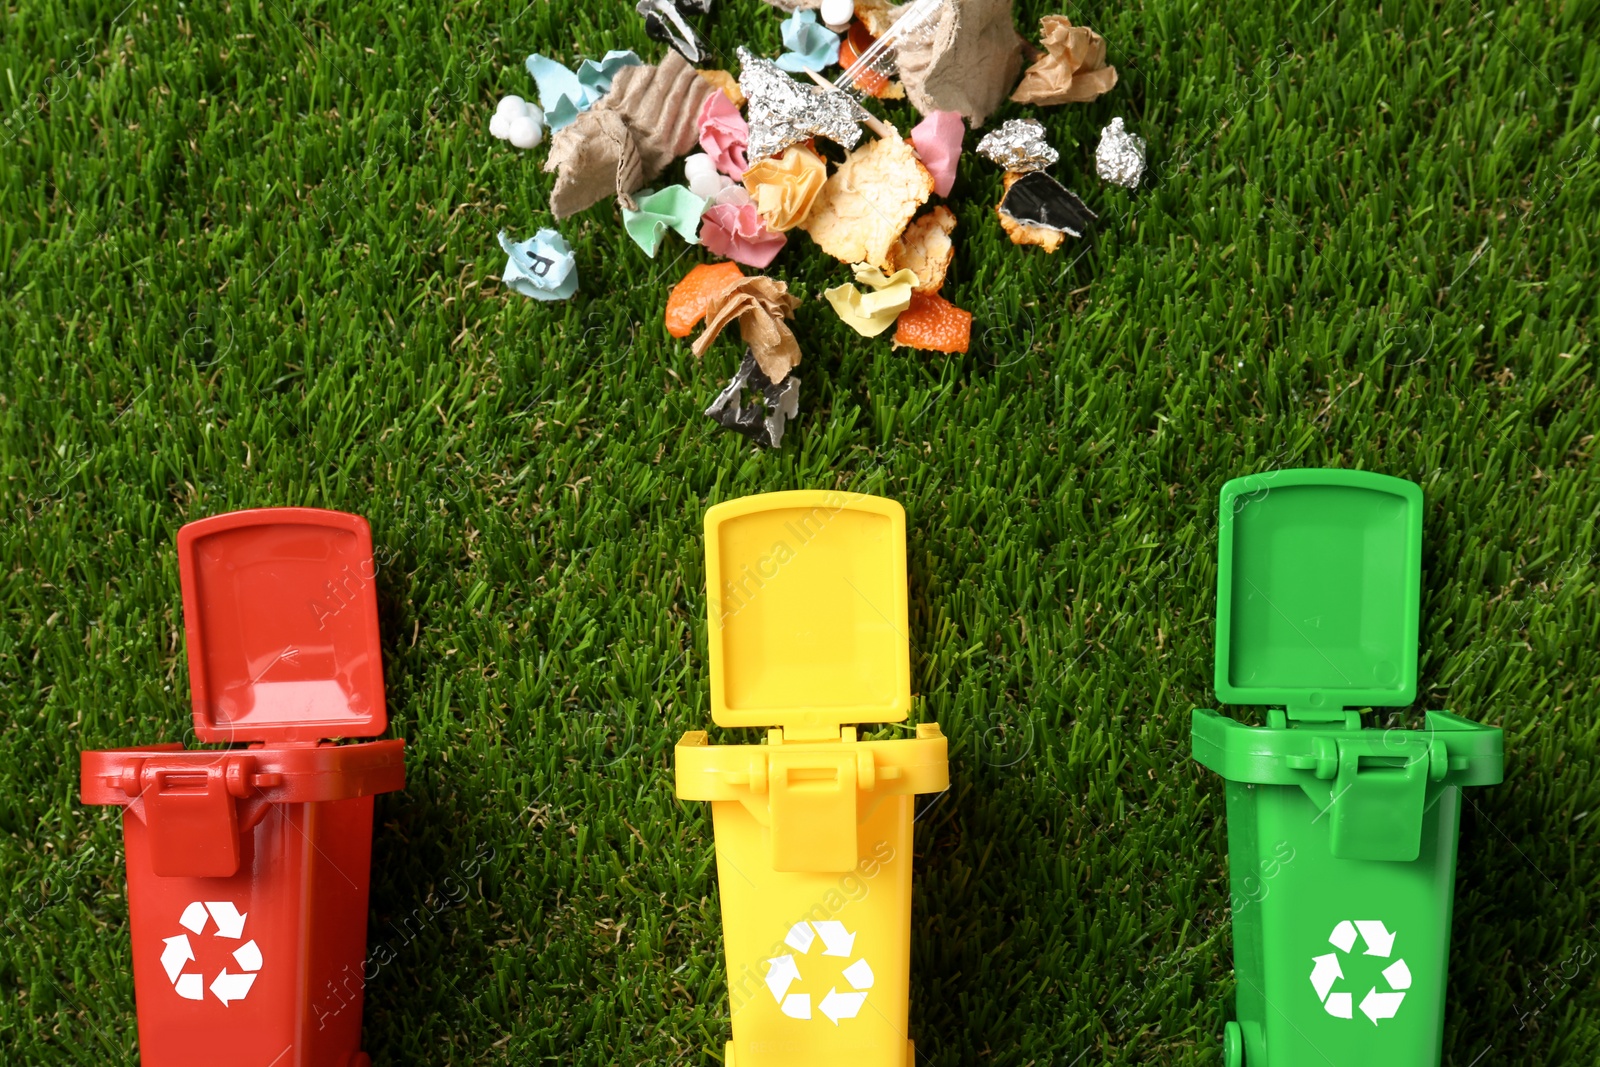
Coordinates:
(228,986)
(1325,971)
(783,971)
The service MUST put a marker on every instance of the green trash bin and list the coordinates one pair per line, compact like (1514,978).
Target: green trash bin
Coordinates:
(1341,840)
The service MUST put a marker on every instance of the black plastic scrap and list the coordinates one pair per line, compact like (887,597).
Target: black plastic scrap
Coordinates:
(665,23)
(1036,199)
(763,423)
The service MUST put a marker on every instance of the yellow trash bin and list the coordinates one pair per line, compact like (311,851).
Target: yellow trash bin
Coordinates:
(806,597)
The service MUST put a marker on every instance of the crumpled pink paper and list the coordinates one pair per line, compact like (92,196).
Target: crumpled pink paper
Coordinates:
(724,135)
(738,232)
(937,140)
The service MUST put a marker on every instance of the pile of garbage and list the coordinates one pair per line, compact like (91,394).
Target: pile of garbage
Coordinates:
(779,150)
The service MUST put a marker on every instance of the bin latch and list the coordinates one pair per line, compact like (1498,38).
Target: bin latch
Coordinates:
(1380,792)
(191,812)
(812,803)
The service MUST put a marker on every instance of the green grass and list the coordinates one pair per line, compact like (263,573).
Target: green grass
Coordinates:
(249,259)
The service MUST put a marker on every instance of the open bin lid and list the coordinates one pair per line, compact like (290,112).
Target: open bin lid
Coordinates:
(1318,589)
(806,598)
(281,618)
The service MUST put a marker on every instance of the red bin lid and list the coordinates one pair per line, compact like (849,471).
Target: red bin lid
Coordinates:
(280,613)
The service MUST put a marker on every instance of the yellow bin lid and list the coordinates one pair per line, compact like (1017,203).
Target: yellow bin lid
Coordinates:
(806,598)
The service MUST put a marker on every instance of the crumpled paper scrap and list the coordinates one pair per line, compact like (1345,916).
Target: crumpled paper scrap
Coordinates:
(564,93)
(760,304)
(869,314)
(721,79)
(933,324)
(686,304)
(937,140)
(593,158)
(738,232)
(785,188)
(925,248)
(541,267)
(1073,69)
(724,134)
(868,201)
(811,45)
(969,64)
(661,105)
(672,208)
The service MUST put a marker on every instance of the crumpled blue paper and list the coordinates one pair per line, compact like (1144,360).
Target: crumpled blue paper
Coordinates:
(811,45)
(674,207)
(563,93)
(541,267)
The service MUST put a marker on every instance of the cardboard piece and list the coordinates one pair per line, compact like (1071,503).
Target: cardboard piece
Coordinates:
(970,63)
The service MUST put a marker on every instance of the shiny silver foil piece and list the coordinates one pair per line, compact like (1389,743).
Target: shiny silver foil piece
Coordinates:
(785,112)
(1019,146)
(1119,158)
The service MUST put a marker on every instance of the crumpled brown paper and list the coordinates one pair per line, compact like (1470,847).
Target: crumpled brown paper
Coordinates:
(760,304)
(648,118)
(867,202)
(1073,69)
(968,65)
(593,158)
(926,249)
(785,187)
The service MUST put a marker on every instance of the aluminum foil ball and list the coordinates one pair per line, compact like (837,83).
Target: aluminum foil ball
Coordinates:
(1120,156)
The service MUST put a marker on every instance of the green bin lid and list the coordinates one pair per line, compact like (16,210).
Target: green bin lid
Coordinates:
(1318,589)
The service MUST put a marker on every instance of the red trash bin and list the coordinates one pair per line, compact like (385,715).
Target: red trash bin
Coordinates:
(248,867)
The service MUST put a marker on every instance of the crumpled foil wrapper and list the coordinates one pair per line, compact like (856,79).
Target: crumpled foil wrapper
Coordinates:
(784,112)
(1119,158)
(1018,145)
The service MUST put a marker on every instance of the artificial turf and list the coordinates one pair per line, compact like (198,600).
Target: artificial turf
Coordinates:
(249,259)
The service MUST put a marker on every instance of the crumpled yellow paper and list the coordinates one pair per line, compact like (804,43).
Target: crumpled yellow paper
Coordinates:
(785,187)
(867,202)
(760,304)
(869,314)
(1073,69)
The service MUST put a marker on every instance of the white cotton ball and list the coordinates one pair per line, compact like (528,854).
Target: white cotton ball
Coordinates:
(702,176)
(524,132)
(512,107)
(500,126)
(836,14)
